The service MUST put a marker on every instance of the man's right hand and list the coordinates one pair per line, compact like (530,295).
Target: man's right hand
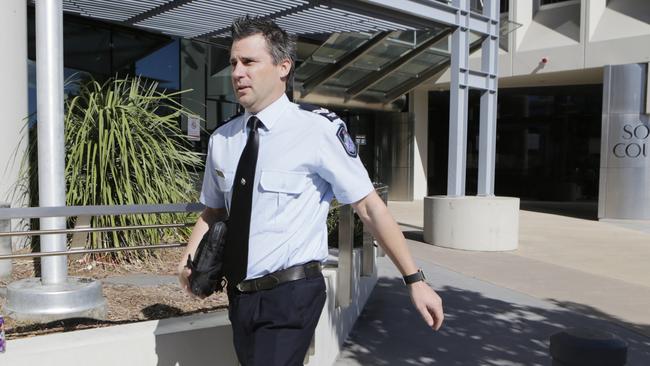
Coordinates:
(184,278)
(208,217)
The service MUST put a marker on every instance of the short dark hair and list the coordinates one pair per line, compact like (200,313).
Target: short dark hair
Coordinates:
(281,45)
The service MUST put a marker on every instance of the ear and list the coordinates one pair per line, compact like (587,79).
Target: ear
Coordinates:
(284,67)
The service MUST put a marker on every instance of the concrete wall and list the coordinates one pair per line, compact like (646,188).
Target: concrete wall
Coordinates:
(202,339)
(13,94)
(575,37)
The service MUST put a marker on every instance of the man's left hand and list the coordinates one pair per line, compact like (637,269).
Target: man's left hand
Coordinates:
(428,303)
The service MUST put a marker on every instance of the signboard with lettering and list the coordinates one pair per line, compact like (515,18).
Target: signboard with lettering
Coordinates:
(625,144)
(629,137)
(193,128)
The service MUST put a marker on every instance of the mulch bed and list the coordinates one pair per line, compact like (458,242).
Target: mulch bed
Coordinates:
(125,303)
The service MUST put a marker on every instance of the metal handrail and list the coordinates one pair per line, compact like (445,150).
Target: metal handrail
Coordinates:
(92,229)
(104,210)
(346,228)
(86,251)
(38,212)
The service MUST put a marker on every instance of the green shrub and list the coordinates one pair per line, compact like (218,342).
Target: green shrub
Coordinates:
(124,146)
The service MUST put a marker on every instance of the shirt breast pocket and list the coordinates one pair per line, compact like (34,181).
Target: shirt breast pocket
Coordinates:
(224,185)
(280,191)
(224,180)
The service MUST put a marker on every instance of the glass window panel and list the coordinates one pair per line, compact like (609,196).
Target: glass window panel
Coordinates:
(424,35)
(443,44)
(391,82)
(407,37)
(473,37)
(162,65)
(348,77)
(330,90)
(87,47)
(381,55)
(413,39)
(338,45)
(422,62)
(371,96)
(307,69)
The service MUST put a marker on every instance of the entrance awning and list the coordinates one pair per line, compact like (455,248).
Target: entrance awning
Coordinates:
(377,50)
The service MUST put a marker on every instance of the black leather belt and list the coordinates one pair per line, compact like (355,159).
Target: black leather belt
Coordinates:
(307,270)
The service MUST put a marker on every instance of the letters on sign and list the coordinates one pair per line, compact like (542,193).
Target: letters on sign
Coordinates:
(635,144)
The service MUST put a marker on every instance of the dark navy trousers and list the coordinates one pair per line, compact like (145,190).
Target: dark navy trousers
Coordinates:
(275,327)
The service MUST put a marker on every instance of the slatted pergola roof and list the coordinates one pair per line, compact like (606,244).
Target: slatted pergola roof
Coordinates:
(388,48)
(206,18)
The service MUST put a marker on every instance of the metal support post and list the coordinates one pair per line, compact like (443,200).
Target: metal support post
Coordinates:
(488,120)
(55,295)
(384,197)
(346,238)
(368,254)
(5,246)
(459,95)
(51,145)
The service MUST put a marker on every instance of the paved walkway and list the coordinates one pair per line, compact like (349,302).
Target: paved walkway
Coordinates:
(501,308)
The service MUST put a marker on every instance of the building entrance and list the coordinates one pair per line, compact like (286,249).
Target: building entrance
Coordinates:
(384,140)
(548,143)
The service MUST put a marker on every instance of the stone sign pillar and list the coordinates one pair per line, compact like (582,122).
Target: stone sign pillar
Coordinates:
(624,191)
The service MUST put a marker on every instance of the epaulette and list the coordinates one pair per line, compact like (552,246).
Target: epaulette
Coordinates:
(322,111)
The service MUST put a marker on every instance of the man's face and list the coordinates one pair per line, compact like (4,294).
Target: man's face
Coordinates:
(256,80)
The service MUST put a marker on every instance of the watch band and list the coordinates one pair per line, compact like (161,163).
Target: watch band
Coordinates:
(415,277)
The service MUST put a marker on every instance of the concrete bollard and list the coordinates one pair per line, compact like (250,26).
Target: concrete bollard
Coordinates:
(587,347)
(5,246)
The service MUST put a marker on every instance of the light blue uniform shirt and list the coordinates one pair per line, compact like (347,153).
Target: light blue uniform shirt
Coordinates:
(303,162)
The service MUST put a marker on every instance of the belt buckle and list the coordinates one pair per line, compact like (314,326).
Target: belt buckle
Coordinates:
(266,283)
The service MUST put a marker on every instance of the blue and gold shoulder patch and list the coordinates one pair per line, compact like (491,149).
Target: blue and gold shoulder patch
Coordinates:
(342,134)
(346,140)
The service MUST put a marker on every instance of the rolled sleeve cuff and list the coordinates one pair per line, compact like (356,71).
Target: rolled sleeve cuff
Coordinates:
(355,195)
(212,202)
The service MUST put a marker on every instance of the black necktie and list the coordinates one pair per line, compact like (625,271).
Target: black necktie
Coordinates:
(239,221)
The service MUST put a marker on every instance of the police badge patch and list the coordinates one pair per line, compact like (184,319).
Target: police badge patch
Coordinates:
(347,142)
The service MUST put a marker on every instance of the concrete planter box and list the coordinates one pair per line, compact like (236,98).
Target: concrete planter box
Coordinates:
(472,223)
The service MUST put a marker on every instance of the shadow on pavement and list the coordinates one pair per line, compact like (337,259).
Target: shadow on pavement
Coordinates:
(477,331)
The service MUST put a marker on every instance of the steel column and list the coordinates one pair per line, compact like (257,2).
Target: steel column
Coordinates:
(345,270)
(459,95)
(488,121)
(368,254)
(51,145)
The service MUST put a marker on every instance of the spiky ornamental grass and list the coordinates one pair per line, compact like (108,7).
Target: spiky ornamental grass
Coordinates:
(124,146)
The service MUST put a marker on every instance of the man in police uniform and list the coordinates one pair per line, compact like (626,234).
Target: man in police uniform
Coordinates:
(305,157)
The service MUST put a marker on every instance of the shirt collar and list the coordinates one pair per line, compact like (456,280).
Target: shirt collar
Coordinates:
(271,113)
